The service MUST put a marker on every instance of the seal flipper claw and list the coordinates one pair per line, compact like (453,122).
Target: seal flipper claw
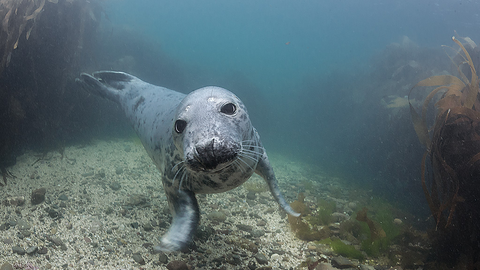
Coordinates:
(265,170)
(184,224)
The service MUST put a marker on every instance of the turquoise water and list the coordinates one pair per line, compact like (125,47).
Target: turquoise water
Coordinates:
(313,74)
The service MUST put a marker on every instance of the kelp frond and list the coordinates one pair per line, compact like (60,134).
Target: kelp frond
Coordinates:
(458,104)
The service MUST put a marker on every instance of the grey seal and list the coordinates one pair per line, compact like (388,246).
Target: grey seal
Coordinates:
(202,142)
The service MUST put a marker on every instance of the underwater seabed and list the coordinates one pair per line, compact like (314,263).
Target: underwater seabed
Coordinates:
(104,208)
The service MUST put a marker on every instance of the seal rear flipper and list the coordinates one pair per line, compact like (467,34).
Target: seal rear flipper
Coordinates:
(265,170)
(184,223)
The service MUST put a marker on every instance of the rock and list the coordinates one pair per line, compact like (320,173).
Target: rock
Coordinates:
(38,196)
(324,266)
(23,225)
(366,267)
(56,240)
(251,195)
(138,258)
(233,259)
(63,197)
(118,170)
(397,221)
(245,228)
(42,250)
(115,186)
(257,233)
(217,216)
(261,223)
(7,241)
(261,258)
(177,265)
(339,217)
(147,226)
(31,250)
(6,266)
(18,250)
(162,258)
(16,201)
(342,263)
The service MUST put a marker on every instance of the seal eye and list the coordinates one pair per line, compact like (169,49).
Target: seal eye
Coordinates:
(180,125)
(229,108)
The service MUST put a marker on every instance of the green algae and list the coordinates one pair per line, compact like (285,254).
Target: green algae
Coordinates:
(343,249)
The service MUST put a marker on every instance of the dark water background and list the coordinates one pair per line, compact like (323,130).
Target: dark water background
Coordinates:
(313,74)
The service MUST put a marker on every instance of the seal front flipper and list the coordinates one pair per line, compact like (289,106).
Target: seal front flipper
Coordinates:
(265,170)
(107,84)
(186,216)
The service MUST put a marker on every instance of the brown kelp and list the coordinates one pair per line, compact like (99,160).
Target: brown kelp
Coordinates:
(453,145)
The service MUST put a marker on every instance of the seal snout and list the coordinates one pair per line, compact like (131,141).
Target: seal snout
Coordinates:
(213,155)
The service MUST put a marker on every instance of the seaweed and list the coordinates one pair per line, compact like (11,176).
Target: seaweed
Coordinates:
(343,249)
(449,178)
(301,226)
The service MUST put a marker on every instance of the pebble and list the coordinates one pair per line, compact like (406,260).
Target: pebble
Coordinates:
(138,258)
(251,195)
(261,223)
(38,196)
(261,258)
(63,197)
(7,240)
(257,233)
(42,250)
(177,265)
(397,221)
(6,266)
(245,228)
(162,258)
(115,186)
(16,201)
(366,267)
(342,263)
(217,216)
(18,250)
(325,266)
(56,240)
(31,250)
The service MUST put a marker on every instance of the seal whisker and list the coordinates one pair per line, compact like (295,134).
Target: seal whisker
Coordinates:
(173,168)
(182,178)
(237,163)
(240,158)
(182,168)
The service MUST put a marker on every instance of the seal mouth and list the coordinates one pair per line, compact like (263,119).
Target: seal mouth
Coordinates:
(212,156)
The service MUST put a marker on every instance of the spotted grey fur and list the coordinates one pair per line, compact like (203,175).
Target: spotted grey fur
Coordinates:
(203,142)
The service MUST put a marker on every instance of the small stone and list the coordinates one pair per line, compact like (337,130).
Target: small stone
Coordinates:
(18,250)
(397,221)
(251,195)
(119,170)
(63,197)
(7,241)
(38,196)
(261,223)
(366,267)
(261,258)
(325,266)
(342,263)
(56,240)
(138,258)
(177,265)
(245,228)
(134,225)
(31,250)
(6,266)
(115,186)
(257,233)
(162,258)
(109,248)
(217,216)
(16,201)
(127,148)
(42,250)
(147,227)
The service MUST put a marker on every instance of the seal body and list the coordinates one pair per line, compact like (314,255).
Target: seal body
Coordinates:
(202,142)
